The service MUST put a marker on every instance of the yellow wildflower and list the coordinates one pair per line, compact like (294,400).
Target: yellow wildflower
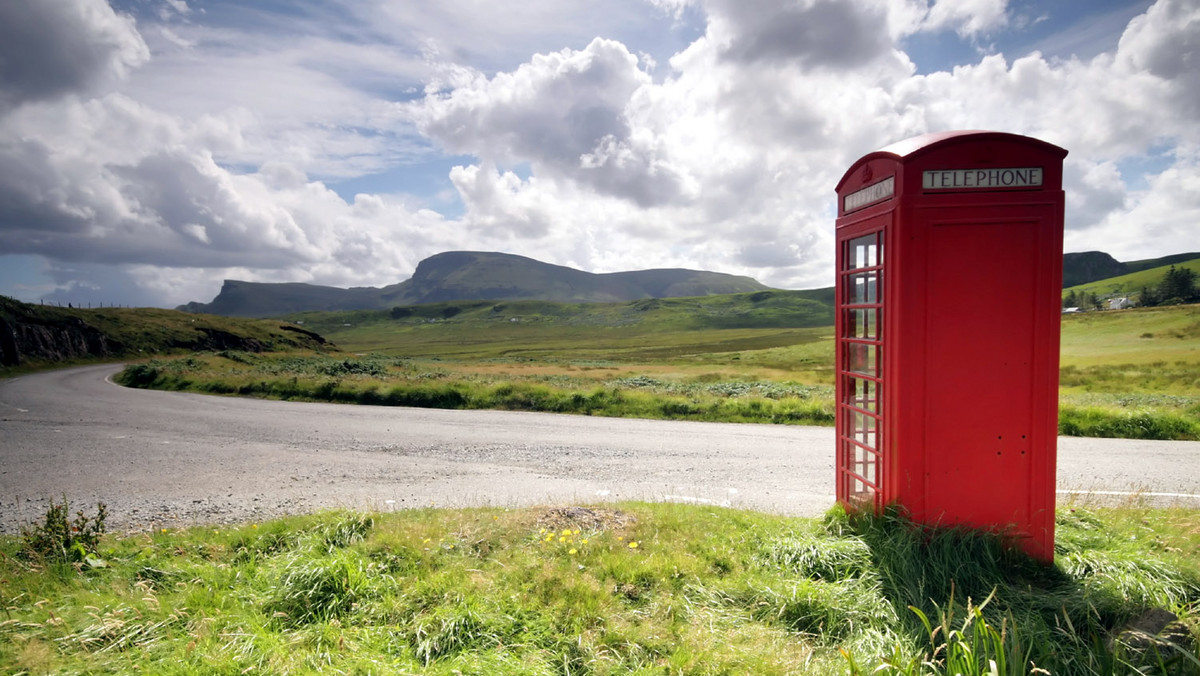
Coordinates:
(573,551)
(633,545)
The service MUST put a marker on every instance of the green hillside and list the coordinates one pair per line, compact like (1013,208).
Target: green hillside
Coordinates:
(487,329)
(1131,284)
(34,336)
(1163,261)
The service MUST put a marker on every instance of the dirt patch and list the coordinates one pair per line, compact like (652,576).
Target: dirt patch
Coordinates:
(585,518)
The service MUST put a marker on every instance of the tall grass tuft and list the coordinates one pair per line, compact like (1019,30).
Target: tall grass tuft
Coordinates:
(318,588)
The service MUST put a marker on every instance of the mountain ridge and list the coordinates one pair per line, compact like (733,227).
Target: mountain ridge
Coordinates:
(454,276)
(473,275)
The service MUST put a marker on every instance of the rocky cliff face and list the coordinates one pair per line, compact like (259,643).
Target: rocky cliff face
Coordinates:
(22,340)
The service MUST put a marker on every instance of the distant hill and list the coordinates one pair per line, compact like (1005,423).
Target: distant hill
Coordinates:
(472,275)
(1092,266)
(38,335)
(1131,284)
(508,328)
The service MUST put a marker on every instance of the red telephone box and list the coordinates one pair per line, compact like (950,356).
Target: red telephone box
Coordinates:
(949,277)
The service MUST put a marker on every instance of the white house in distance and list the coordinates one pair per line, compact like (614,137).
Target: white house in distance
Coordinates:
(1119,303)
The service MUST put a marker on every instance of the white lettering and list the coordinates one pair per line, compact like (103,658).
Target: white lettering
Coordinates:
(981,179)
(869,195)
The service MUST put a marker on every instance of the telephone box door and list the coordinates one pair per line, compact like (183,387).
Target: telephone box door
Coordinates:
(860,312)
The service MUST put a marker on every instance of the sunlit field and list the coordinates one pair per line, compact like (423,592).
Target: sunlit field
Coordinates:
(1130,373)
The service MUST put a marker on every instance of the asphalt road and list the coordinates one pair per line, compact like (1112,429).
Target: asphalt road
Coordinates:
(162,459)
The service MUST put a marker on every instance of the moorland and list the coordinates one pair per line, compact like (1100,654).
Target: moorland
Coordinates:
(761,357)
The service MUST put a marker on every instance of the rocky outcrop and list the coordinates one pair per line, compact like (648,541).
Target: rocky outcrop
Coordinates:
(45,335)
(71,338)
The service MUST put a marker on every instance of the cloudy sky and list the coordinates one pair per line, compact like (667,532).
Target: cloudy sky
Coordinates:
(151,148)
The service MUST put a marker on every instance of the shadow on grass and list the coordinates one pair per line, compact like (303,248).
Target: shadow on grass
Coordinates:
(971,605)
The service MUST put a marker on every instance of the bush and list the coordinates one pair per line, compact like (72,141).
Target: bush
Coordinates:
(138,375)
(58,539)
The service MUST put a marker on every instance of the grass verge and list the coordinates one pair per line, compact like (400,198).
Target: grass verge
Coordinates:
(389,381)
(710,395)
(629,588)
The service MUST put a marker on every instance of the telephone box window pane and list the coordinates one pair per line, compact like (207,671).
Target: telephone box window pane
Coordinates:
(864,323)
(865,392)
(863,252)
(864,288)
(864,430)
(860,490)
(863,358)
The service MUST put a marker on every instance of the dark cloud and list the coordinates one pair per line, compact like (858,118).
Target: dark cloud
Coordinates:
(835,34)
(29,188)
(52,47)
(86,285)
(172,209)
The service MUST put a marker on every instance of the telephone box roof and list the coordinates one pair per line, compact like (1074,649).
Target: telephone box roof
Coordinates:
(910,148)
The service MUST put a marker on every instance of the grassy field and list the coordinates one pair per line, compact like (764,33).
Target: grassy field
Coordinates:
(619,589)
(1132,373)
(1127,372)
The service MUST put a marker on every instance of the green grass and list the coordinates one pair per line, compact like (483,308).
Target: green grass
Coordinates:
(389,381)
(618,589)
(489,329)
(1133,373)
(758,357)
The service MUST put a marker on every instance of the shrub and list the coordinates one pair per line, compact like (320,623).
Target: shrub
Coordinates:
(59,539)
(138,375)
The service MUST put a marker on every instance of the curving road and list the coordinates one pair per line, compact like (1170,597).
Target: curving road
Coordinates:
(162,459)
